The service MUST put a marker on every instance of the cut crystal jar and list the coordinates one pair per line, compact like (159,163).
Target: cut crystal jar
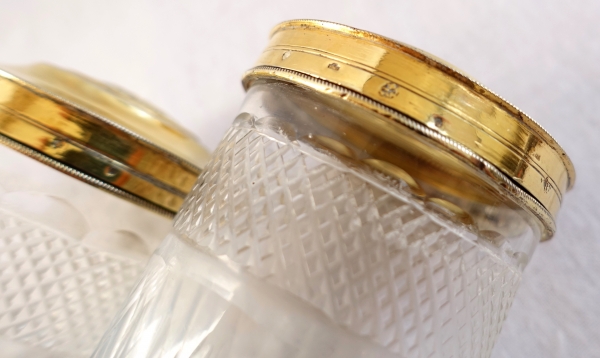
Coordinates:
(90,178)
(368,201)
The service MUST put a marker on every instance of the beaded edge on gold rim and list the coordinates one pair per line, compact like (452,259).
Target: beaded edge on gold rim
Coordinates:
(34,154)
(522,197)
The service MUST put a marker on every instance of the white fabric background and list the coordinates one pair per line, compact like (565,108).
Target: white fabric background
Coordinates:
(544,56)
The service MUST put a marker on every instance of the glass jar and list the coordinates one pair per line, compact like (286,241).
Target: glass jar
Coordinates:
(369,201)
(88,186)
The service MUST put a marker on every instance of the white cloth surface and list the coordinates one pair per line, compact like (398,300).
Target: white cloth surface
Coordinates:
(187,58)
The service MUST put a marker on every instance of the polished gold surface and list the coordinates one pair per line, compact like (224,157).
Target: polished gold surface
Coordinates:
(98,132)
(432,93)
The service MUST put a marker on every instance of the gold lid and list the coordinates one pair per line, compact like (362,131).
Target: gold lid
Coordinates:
(454,109)
(99,134)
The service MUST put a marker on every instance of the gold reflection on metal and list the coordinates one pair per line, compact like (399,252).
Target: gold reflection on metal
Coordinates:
(396,172)
(451,210)
(102,132)
(394,75)
(332,144)
(474,121)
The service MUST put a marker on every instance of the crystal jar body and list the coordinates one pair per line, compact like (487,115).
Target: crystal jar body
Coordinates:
(69,255)
(304,237)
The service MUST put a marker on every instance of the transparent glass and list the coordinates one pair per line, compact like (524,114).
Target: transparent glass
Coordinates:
(290,245)
(69,256)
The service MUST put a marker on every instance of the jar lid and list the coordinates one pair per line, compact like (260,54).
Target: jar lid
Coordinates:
(442,102)
(99,134)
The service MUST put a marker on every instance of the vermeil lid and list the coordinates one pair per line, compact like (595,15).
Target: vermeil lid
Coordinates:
(99,134)
(441,102)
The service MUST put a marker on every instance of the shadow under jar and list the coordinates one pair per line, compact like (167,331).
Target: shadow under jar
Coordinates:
(90,178)
(369,201)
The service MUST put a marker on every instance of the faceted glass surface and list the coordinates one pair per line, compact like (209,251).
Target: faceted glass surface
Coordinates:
(56,292)
(282,250)
(69,256)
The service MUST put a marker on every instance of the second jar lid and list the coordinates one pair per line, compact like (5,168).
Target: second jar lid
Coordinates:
(99,134)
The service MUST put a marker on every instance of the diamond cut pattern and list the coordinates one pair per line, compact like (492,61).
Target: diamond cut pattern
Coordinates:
(54,291)
(370,261)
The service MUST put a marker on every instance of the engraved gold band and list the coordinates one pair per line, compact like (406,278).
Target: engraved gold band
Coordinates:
(90,147)
(430,92)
